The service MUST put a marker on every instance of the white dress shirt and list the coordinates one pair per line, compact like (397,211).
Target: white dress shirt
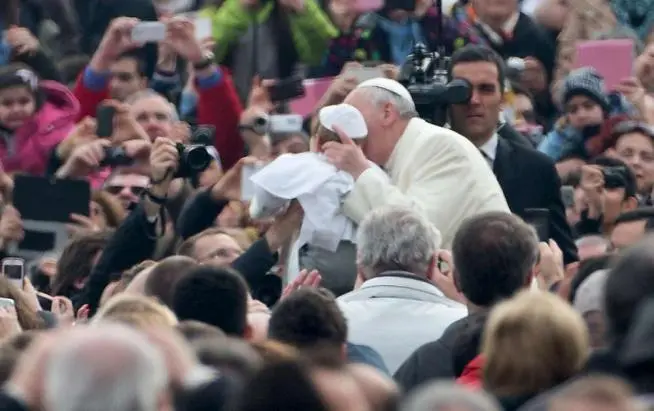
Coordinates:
(489,149)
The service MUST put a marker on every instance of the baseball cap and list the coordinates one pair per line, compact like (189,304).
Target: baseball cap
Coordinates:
(345,117)
(389,85)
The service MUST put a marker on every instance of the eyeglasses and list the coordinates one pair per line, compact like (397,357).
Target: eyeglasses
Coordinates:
(115,190)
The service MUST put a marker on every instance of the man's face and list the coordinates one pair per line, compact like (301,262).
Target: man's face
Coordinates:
(627,233)
(218,249)
(155,115)
(127,187)
(477,120)
(636,149)
(375,147)
(125,79)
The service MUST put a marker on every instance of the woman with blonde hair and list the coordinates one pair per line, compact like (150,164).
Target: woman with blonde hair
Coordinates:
(136,311)
(531,343)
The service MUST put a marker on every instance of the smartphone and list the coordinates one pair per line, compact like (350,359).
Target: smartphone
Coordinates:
(6,302)
(247,187)
(149,32)
(14,270)
(539,218)
(568,196)
(203,28)
(287,89)
(105,121)
(285,123)
(365,73)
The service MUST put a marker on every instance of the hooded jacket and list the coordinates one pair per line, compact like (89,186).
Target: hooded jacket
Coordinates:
(28,148)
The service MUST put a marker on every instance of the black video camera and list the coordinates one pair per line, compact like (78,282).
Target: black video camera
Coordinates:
(425,75)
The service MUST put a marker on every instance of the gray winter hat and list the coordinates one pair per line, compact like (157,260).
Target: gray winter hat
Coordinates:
(588,82)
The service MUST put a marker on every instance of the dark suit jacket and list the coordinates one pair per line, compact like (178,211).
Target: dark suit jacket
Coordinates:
(529,180)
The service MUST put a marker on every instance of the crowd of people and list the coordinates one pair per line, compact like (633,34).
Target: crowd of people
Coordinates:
(351,257)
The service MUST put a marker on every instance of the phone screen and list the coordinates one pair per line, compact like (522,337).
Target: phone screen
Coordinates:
(568,196)
(105,121)
(14,271)
(539,218)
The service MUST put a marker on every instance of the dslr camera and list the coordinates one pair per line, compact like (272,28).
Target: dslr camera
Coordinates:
(614,177)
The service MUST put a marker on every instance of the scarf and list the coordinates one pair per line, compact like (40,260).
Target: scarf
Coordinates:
(636,14)
(401,37)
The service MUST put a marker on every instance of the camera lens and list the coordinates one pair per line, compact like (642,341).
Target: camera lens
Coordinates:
(198,158)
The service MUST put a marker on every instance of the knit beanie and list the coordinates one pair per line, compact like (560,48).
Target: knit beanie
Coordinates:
(588,82)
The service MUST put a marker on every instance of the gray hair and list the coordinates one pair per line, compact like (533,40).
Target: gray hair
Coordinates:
(396,238)
(380,96)
(443,396)
(149,93)
(112,368)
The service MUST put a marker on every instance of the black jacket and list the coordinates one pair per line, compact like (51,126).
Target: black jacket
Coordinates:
(529,180)
(433,360)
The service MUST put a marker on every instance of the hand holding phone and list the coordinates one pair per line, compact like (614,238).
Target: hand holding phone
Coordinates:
(539,218)
(14,270)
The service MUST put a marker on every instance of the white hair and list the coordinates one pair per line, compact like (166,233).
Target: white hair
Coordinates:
(394,238)
(112,368)
(380,96)
(443,396)
(149,93)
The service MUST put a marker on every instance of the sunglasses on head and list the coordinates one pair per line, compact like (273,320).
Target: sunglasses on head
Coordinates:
(115,190)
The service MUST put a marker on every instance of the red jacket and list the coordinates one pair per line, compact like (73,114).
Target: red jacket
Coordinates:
(218,105)
(472,375)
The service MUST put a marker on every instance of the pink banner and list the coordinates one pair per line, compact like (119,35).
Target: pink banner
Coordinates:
(613,59)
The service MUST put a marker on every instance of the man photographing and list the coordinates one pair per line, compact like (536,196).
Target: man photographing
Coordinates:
(431,169)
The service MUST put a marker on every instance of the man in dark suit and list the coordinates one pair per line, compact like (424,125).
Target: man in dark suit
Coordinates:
(528,178)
